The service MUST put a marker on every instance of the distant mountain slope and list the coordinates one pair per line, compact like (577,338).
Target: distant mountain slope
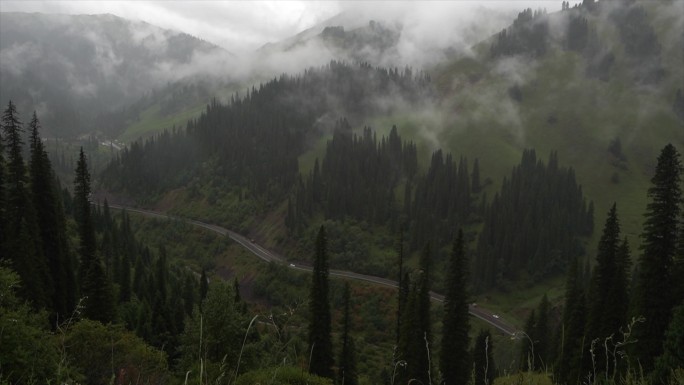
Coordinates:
(71,67)
(342,38)
(597,83)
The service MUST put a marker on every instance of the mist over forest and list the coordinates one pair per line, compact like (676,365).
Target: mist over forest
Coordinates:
(342,192)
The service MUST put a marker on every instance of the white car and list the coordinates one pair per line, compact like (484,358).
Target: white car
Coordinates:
(292,265)
(495,316)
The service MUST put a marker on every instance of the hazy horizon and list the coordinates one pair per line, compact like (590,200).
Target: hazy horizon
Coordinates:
(242,27)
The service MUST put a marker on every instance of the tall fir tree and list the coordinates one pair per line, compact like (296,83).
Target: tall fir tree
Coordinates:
(454,359)
(527,353)
(2,194)
(22,246)
(203,288)
(50,215)
(571,355)
(320,340)
(87,244)
(416,336)
(608,291)
(542,334)
(347,374)
(411,341)
(673,349)
(96,287)
(402,293)
(483,359)
(654,300)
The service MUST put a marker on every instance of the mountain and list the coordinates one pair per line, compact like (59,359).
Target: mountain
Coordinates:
(595,86)
(598,83)
(342,37)
(70,68)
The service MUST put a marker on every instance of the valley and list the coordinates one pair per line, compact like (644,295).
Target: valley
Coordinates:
(409,200)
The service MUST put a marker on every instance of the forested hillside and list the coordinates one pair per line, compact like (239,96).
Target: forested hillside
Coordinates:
(76,69)
(478,186)
(78,287)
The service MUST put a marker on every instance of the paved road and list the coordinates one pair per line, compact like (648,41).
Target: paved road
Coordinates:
(270,256)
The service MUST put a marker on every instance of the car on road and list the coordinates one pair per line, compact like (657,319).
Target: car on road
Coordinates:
(292,265)
(495,316)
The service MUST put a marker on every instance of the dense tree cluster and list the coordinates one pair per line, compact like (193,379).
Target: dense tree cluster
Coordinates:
(442,200)
(357,178)
(105,274)
(37,251)
(596,338)
(533,225)
(527,36)
(253,142)
(640,42)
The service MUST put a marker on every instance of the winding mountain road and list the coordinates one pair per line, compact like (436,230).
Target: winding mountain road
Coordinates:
(270,256)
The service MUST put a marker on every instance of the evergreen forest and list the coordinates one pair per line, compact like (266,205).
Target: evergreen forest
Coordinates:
(308,231)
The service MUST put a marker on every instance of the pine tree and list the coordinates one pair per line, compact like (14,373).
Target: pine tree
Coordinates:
(203,287)
(2,195)
(571,356)
(401,292)
(98,294)
(527,353)
(347,374)
(454,360)
(673,348)
(96,287)
(608,290)
(320,342)
(416,335)
(542,335)
(86,230)
(125,279)
(411,340)
(483,359)
(22,246)
(50,215)
(654,299)
(475,185)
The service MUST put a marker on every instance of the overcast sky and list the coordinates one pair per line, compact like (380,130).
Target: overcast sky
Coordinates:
(242,26)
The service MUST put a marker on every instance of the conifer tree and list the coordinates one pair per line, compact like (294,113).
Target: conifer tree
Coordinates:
(2,195)
(416,335)
(22,243)
(411,340)
(673,348)
(542,334)
(86,230)
(96,287)
(50,215)
(347,374)
(475,185)
(203,287)
(571,355)
(483,359)
(125,279)
(527,353)
(654,299)
(402,291)
(454,359)
(320,342)
(608,290)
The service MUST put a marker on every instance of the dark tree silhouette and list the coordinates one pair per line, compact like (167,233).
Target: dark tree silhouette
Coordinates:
(454,359)
(320,340)
(654,291)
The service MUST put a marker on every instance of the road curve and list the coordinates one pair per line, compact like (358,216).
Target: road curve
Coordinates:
(270,256)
